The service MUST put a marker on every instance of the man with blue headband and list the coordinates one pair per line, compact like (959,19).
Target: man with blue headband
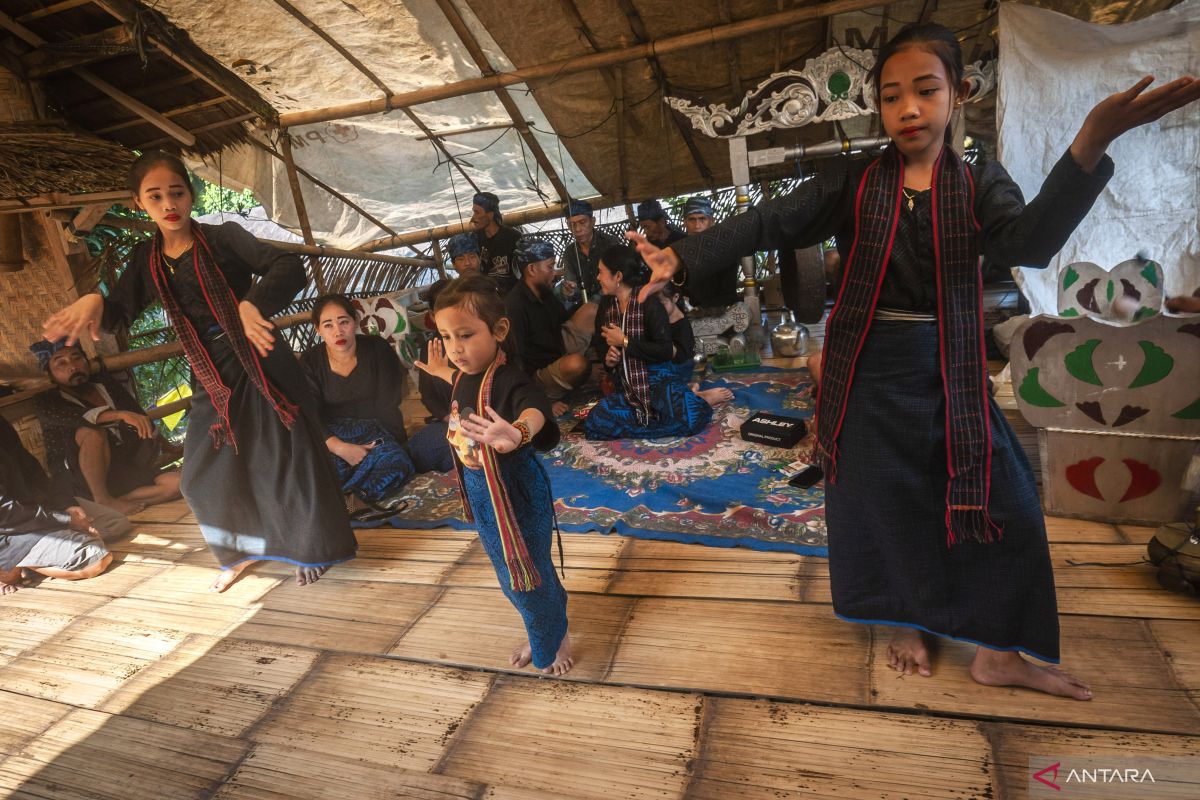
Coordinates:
(100,445)
(656,225)
(581,261)
(722,290)
(464,253)
(550,341)
(497,242)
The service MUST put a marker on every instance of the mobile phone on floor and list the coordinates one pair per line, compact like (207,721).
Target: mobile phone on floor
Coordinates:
(806,478)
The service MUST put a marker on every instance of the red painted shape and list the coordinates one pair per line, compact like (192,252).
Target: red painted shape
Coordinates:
(1082,477)
(1144,479)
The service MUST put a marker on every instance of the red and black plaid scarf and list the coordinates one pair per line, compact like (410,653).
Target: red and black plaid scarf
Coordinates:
(635,378)
(224,307)
(960,334)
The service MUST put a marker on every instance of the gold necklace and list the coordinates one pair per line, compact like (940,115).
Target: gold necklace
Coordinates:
(909,197)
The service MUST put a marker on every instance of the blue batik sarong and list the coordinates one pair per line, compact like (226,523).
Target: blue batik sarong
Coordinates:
(544,609)
(386,468)
(677,410)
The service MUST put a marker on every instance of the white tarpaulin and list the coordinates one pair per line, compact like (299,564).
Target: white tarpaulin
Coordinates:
(1053,70)
(380,162)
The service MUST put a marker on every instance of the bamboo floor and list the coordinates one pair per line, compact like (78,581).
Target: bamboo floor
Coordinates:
(701,673)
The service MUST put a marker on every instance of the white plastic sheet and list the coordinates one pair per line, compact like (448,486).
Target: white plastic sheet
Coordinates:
(1053,70)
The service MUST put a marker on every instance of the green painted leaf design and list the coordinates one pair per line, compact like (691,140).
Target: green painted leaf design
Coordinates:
(1031,392)
(1156,366)
(1110,291)
(1189,412)
(1070,312)
(1079,362)
(1150,273)
(1069,277)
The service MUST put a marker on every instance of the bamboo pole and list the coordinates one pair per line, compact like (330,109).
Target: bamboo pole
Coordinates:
(570,66)
(285,144)
(291,247)
(513,218)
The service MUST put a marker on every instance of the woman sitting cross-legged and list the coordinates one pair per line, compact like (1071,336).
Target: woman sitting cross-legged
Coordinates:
(358,380)
(651,400)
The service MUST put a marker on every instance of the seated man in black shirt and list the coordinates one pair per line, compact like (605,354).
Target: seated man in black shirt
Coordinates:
(465,256)
(722,290)
(497,242)
(33,536)
(548,339)
(655,224)
(100,444)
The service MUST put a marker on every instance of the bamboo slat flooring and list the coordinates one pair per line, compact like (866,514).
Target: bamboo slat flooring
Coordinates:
(702,673)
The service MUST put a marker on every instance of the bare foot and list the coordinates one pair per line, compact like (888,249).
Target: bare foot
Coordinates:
(11,581)
(228,576)
(909,651)
(998,668)
(126,507)
(559,408)
(307,575)
(522,654)
(563,660)
(714,397)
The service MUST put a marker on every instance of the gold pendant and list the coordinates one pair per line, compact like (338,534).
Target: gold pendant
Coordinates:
(910,204)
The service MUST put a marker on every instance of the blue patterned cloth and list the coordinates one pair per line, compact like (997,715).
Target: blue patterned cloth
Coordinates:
(544,610)
(678,411)
(383,472)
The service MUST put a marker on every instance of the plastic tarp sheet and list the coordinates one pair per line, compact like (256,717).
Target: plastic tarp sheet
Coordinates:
(380,162)
(1053,70)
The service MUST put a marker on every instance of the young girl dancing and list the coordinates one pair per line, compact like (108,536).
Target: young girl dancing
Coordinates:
(934,521)
(506,491)
(255,468)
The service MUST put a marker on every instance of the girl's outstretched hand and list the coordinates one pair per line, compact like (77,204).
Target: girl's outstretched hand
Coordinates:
(76,320)
(258,330)
(493,431)
(1123,111)
(663,263)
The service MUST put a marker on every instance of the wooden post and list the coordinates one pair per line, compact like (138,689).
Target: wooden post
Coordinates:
(285,145)
(12,252)
(438,259)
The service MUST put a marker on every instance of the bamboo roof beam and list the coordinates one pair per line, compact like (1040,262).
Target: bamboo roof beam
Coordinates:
(180,49)
(51,201)
(609,74)
(375,79)
(583,63)
(638,28)
(285,144)
(55,57)
(57,8)
(172,112)
(510,106)
(95,81)
(212,126)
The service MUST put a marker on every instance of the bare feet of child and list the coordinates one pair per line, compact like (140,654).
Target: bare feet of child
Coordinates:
(307,575)
(908,652)
(11,581)
(559,408)
(998,668)
(228,576)
(563,660)
(521,655)
(714,397)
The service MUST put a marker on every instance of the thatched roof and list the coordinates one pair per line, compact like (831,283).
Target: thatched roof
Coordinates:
(47,159)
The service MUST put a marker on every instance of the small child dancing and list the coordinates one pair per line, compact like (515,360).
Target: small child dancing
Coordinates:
(506,491)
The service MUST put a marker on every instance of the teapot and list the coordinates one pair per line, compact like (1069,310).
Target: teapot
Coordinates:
(789,338)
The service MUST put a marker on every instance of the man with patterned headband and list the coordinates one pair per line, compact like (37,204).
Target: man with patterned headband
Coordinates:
(497,242)
(581,261)
(100,445)
(464,252)
(722,289)
(549,339)
(656,225)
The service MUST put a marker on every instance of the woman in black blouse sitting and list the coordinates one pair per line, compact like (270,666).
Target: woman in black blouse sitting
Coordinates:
(651,400)
(358,381)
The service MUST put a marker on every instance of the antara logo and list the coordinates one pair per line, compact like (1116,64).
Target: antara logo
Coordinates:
(1097,775)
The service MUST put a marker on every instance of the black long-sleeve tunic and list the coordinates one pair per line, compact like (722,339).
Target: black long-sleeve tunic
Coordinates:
(1012,234)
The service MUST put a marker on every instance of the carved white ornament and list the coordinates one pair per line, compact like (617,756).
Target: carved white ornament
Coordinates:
(835,85)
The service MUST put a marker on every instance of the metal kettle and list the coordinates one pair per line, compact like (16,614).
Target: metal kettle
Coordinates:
(789,338)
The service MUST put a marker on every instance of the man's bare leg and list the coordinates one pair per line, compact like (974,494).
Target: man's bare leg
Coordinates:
(90,571)
(164,489)
(95,457)
(10,581)
(228,576)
